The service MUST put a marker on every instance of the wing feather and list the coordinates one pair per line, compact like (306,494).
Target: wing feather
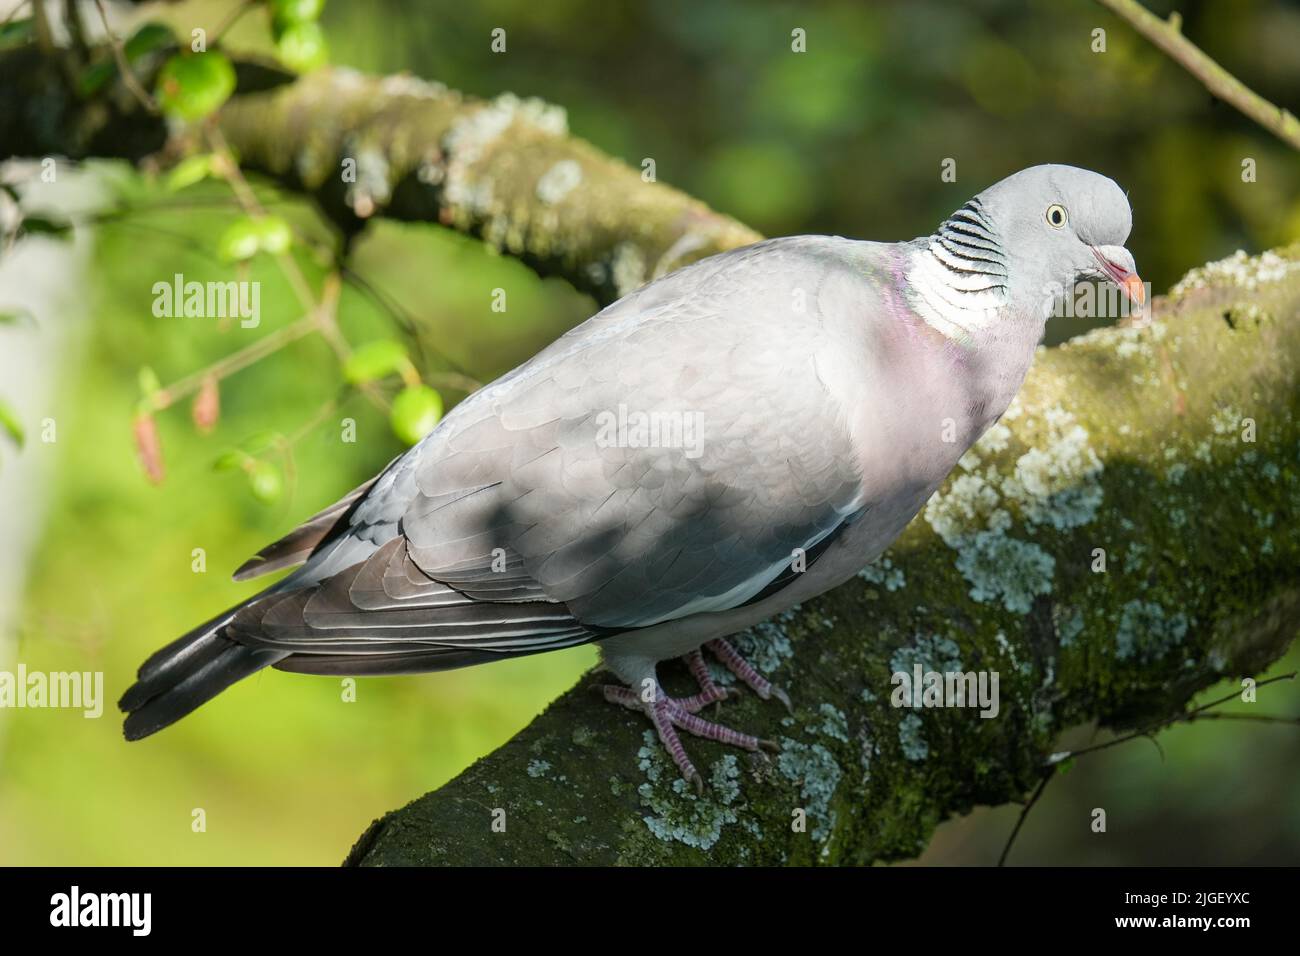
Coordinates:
(533,517)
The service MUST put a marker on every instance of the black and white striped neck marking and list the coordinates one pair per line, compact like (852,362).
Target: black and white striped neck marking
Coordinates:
(960,279)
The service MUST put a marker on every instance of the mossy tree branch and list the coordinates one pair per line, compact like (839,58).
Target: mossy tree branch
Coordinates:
(1167,452)
(505,171)
(1131,441)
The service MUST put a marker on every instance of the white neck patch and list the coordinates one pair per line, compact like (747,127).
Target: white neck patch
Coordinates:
(952,298)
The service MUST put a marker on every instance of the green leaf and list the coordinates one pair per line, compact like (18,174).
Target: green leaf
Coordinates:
(416,409)
(188,171)
(149,384)
(265,481)
(43,226)
(16,33)
(230,460)
(194,85)
(150,37)
(274,235)
(302,47)
(286,12)
(375,360)
(94,77)
(240,241)
(10,424)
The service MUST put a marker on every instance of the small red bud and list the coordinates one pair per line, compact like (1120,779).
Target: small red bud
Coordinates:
(207,405)
(148,447)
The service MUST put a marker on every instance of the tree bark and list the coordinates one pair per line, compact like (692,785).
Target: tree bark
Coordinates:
(505,171)
(1126,537)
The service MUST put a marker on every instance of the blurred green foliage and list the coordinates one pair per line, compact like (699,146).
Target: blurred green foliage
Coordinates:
(847,138)
(286,771)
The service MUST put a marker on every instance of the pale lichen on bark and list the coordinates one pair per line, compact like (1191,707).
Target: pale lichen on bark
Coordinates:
(506,171)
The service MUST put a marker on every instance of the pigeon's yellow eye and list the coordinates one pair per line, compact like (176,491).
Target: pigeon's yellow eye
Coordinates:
(1056,215)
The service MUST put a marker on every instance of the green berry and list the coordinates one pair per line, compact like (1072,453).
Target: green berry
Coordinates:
(416,409)
(194,85)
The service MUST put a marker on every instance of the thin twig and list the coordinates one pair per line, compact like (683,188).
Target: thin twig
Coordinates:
(41,24)
(236,361)
(76,29)
(230,171)
(398,314)
(1261,718)
(13,13)
(1168,36)
(452,380)
(304,429)
(1038,792)
(124,67)
(194,245)
(455,377)
(231,19)
(1197,713)
(327,325)
(1151,736)
(179,203)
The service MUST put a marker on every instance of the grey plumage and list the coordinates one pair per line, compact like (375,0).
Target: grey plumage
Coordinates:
(816,377)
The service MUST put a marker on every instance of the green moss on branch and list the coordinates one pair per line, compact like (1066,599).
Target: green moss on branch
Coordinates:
(506,170)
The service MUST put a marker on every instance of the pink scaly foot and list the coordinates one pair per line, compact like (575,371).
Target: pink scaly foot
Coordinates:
(760,685)
(667,714)
(709,691)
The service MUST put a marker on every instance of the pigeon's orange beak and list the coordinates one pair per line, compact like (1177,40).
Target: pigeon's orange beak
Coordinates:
(1117,263)
(1134,288)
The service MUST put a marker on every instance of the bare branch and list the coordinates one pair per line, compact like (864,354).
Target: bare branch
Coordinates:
(1024,815)
(124,65)
(1168,36)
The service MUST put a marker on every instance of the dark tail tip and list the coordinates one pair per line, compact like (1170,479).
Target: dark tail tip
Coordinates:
(186,674)
(151,708)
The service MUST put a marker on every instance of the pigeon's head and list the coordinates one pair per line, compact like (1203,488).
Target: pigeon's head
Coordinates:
(1061,224)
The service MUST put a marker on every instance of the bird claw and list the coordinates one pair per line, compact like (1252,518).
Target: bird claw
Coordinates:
(697,782)
(747,674)
(668,713)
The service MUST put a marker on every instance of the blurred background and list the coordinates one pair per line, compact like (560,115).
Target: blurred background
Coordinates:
(848,139)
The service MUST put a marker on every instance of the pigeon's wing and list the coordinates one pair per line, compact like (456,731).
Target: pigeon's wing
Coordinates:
(669,457)
(306,539)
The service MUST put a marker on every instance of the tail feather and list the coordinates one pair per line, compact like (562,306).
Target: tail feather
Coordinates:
(187,673)
(175,654)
